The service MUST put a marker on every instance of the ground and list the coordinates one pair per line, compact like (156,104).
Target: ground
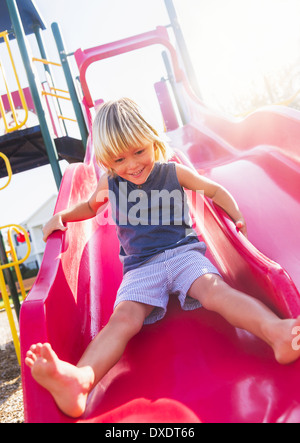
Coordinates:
(11,395)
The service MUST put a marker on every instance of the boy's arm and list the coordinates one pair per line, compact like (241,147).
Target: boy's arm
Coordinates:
(219,195)
(80,212)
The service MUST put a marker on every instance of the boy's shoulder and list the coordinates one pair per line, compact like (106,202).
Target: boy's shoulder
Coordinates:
(170,165)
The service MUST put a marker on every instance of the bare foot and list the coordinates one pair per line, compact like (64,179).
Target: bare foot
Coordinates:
(285,341)
(68,384)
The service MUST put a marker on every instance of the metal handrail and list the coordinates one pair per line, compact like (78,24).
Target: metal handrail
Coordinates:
(8,168)
(55,90)
(5,296)
(19,229)
(13,254)
(15,263)
(18,125)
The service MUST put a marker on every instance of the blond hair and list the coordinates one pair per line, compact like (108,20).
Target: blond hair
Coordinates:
(120,126)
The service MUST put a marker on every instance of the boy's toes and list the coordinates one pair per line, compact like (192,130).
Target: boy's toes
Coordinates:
(29,360)
(47,352)
(40,352)
(36,349)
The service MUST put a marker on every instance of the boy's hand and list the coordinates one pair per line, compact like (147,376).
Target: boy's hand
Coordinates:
(242,227)
(54,224)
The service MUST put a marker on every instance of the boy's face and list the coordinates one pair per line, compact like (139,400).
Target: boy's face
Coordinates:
(136,164)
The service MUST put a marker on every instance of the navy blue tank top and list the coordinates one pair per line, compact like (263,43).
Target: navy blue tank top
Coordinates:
(152,217)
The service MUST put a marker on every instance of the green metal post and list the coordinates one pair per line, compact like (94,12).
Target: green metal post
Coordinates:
(179,101)
(69,79)
(9,278)
(39,38)
(182,47)
(35,89)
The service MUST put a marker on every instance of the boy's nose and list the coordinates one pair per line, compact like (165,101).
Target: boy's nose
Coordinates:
(132,164)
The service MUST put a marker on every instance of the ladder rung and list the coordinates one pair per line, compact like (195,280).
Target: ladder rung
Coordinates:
(67,118)
(59,90)
(45,62)
(55,95)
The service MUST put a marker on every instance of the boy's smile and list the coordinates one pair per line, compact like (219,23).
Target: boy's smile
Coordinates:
(136,164)
(138,174)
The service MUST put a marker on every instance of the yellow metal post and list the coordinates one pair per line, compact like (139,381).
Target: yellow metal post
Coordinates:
(45,62)
(18,125)
(13,254)
(10,316)
(8,168)
(55,95)
(5,296)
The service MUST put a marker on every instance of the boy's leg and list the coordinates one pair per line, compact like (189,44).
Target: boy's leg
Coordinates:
(70,385)
(245,312)
(126,322)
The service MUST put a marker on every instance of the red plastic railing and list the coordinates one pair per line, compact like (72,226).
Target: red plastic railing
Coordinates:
(85,58)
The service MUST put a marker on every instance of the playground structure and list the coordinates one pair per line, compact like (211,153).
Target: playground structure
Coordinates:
(192,366)
(47,141)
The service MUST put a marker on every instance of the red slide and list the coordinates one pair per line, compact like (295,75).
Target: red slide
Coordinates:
(192,366)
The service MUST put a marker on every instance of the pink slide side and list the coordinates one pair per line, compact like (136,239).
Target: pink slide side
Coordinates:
(192,366)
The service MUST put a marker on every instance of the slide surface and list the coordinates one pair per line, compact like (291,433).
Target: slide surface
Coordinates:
(192,366)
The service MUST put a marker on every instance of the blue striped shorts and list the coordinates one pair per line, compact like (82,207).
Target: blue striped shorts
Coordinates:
(169,273)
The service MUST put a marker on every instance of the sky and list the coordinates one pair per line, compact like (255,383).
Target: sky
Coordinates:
(235,45)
